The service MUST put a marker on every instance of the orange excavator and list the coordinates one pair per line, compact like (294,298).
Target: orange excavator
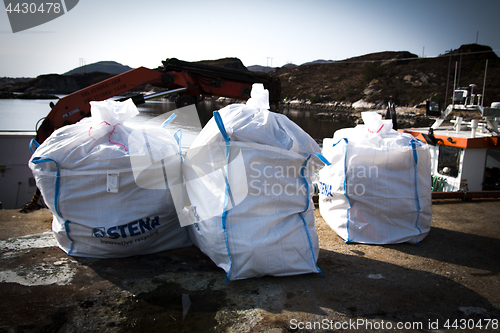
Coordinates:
(189,81)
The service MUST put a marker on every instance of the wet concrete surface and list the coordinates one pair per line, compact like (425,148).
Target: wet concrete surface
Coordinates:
(451,280)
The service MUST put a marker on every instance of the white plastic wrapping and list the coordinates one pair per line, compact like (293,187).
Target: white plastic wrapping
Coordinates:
(377,189)
(247,178)
(106,185)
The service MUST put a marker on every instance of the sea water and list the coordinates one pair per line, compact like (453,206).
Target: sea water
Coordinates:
(26,115)
(22,114)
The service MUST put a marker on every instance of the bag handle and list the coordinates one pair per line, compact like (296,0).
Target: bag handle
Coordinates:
(168,121)
(220,125)
(302,170)
(45,159)
(33,142)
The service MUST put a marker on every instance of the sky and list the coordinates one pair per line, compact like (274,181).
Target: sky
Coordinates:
(259,32)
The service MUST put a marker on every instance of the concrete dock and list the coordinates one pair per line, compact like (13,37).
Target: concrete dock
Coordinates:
(449,281)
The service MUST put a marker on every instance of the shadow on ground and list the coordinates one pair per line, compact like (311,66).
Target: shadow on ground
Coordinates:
(183,290)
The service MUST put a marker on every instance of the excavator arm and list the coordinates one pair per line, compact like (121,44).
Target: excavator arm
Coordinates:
(73,107)
(197,80)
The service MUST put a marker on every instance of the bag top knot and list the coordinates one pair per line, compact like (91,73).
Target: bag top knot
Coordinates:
(112,112)
(375,124)
(259,97)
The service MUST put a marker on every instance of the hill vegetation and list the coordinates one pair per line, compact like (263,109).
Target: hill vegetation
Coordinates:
(401,76)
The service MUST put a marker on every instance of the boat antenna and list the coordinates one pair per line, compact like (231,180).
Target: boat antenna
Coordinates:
(454,87)
(447,83)
(484,82)
(459,69)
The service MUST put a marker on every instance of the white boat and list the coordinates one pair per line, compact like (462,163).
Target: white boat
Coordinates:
(465,152)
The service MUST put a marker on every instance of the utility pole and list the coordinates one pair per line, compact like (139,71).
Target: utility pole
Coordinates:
(268,61)
(82,66)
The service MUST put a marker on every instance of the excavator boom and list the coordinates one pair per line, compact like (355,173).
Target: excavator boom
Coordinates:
(197,79)
(73,107)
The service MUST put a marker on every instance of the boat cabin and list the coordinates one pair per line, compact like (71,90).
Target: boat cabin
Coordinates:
(465,153)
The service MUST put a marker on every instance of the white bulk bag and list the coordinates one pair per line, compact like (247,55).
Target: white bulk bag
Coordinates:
(247,177)
(377,189)
(104,183)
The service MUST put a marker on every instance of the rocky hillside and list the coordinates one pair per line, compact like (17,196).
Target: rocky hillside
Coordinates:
(11,80)
(401,76)
(110,67)
(66,83)
(55,83)
(259,68)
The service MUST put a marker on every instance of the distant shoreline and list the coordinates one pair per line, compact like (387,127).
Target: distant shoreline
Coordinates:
(10,95)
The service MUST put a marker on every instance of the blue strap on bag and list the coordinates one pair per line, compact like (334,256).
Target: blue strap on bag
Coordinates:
(45,159)
(168,121)
(308,199)
(33,142)
(222,129)
(346,141)
(414,144)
